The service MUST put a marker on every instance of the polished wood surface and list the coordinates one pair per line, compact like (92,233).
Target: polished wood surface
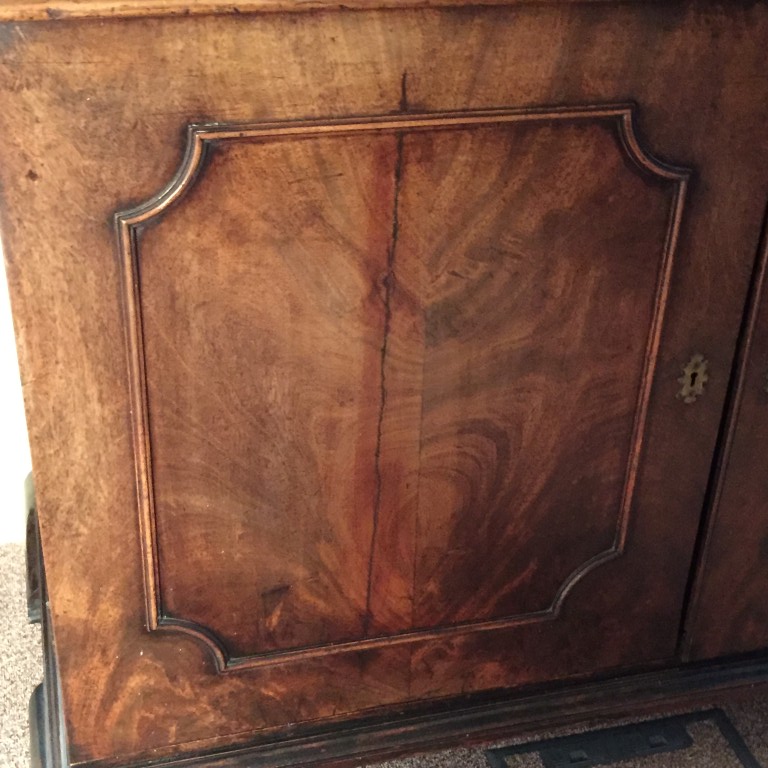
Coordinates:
(262,327)
(44,10)
(729,613)
(500,343)
(463,358)
(347,423)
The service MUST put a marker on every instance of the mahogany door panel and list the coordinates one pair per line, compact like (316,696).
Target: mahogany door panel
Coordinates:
(273,367)
(365,390)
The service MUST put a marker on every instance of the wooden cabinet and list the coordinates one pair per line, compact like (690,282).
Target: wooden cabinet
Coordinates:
(375,358)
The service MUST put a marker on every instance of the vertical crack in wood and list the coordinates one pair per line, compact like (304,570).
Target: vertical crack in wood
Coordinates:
(389,285)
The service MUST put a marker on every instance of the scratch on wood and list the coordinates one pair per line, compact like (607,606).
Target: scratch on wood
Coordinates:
(389,286)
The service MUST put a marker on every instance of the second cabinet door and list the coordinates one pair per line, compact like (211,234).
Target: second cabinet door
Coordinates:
(730,607)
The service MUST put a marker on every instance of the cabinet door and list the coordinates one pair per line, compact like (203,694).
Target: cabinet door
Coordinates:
(407,408)
(348,413)
(729,613)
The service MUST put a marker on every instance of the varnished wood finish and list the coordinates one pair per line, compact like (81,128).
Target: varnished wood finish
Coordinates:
(326,369)
(210,435)
(729,611)
(506,346)
(262,328)
(468,722)
(44,10)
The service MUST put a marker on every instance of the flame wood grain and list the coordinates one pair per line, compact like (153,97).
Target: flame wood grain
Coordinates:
(339,476)
(94,120)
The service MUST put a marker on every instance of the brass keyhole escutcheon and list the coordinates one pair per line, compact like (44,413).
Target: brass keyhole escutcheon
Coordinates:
(694,378)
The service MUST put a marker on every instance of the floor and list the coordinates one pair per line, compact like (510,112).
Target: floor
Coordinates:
(21,666)
(21,670)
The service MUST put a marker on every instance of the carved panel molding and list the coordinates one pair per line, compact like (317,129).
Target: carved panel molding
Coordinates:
(200,139)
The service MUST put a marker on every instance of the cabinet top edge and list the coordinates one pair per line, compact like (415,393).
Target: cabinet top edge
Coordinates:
(54,10)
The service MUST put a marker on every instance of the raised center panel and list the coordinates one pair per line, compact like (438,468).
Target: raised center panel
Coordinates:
(391,376)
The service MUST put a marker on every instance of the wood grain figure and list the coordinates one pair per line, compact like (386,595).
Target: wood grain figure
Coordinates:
(351,337)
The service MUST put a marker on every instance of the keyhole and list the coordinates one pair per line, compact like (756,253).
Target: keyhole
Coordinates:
(695,376)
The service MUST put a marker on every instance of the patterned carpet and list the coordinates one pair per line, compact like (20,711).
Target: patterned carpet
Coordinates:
(21,670)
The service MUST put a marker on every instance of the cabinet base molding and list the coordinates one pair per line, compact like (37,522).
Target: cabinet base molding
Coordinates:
(445,725)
